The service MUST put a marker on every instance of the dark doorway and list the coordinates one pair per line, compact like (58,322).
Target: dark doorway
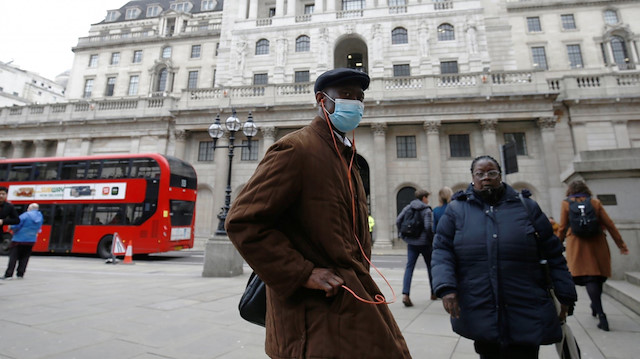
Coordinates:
(404,197)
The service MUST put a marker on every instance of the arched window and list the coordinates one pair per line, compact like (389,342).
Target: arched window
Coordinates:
(163,75)
(303,43)
(446,33)
(620,53)
(262,47)
(399,36)
(404,197)
(611,17)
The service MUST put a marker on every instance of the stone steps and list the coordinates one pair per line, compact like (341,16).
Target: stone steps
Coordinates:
(626,291)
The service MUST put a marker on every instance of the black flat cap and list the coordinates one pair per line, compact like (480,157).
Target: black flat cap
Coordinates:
(336,76)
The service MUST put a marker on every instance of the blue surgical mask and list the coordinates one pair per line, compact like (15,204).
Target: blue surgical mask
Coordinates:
(347,114)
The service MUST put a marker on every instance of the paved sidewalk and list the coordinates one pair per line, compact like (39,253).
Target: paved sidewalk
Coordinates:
(78,307)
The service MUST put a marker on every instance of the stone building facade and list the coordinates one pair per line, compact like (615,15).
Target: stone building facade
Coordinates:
(450,80)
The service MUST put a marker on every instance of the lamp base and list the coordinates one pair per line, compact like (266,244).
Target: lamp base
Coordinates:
(221,259)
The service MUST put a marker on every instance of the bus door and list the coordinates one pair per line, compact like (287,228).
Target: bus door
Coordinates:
(65,218)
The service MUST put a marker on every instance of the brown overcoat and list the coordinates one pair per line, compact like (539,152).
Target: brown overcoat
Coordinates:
(589,256)
(295,214)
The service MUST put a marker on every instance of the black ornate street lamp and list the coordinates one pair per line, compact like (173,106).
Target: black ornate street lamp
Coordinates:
(233,125)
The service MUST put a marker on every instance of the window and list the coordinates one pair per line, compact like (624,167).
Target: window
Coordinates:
(449,67)
(192,83)
(446,33)
(205,151)
(93,61)
(520,141)
(401,70)
(260,79)
(620,53)
(112,15)
(262,47)
(217,48)
(166,52)
(133,85)
(611,17)
(88,87)
(213,82)
(249,154)
(272,11)
(399,36)
(308,9)
(111,83)
(195,51)
(539,58)
(605,58)
(301,76)
(207,5)
(115,58)
(353,4)
(137,56)
(181,6)
(303,43)
(163,75)
(568,22)
(459,146)
(575,56)
(533,24)
(153,10)
(132,13)
(406,146)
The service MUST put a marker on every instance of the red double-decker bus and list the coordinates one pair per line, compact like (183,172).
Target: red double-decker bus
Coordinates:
(148,199)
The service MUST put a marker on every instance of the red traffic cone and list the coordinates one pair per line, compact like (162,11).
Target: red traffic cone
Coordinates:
(128,255)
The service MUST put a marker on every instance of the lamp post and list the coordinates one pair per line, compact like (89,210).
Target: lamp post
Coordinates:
(221,259)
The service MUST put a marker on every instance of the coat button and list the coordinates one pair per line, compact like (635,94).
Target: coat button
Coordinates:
(495,236)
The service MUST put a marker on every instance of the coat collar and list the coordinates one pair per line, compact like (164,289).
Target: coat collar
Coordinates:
(510,194)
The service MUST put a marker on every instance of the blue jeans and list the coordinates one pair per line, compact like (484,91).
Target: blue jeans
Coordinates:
(412,256)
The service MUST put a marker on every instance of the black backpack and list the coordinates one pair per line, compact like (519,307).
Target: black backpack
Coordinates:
(583,219)
(412,223)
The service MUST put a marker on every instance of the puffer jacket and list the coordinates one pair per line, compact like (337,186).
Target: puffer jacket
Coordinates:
(426,236)
(488,255)
(27,230)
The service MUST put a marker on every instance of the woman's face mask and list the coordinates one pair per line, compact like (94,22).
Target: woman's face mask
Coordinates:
(347,114)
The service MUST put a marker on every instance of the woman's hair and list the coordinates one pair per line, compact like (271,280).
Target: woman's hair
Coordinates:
(485,157)
(445,194)
(578,187)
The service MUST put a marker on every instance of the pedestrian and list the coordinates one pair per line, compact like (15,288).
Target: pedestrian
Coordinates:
(444,195)
(372,223)
(589,257)
(418,242)
(8,216)
(301,223)
(24,237)
(486,268)
(555,226)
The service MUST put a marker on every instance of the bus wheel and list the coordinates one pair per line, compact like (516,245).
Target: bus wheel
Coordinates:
(5,243)
(104,247)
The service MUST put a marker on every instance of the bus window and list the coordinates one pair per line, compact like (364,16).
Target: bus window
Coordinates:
(4,170)
(144,168)
(115,169)
(182,174)
(46,171)
(94,169)
(87,217)
(20,172)
(181,212)
(72,170)
(135,213)
(109,214)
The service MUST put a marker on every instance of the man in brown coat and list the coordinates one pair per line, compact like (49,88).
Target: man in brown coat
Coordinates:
(298,223)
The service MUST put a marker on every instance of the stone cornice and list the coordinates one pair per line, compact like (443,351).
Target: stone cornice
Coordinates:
(522,6)
(547,122)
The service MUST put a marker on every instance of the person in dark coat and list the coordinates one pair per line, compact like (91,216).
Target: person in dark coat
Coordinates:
(589,259)
(8,214)
(25,234)
(301,223)
(486,268)
(418,245)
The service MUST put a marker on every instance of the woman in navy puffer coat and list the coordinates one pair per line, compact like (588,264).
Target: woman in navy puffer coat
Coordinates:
(485,267)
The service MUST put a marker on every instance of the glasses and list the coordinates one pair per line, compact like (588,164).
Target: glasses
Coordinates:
(493,174)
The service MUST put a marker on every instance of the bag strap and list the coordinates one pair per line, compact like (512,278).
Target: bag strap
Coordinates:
(543,259)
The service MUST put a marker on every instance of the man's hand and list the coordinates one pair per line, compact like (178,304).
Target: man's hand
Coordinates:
(450,304)
(324,279)
(1,222)
(564,309)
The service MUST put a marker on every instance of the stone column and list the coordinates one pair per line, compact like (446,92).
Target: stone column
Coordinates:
(41,148)
(18,149)
(489,138)
(331,5)
(552,165)
(135,144)
(622,133)
(380,209)
(180,139)
(85,146)
(319,6)
(268,138)
(62,144)
(253,9)
(242,9)
(291,8)
(433,155)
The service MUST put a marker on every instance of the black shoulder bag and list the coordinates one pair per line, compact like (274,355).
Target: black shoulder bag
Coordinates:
(253,303)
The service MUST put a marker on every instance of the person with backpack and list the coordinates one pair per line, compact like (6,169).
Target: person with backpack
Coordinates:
(582,221)
(415,225)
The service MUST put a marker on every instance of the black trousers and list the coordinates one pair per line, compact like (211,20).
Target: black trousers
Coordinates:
(497,351)
(19,253)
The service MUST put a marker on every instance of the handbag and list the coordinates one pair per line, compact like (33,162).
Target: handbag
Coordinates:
(253,303)
(567,348)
